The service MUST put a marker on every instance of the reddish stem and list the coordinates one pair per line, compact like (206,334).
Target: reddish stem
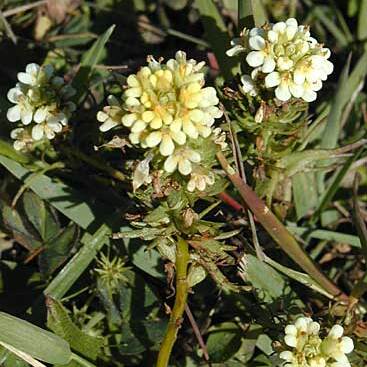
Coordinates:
(227,199)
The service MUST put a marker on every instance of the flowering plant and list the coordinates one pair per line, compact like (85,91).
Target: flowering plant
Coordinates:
(308,349)
(183,210)
(42,105)
(283,56)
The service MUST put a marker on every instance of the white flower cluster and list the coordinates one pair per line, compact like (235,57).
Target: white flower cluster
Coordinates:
(310,350)
(285,57)
(166,106)
(42,105)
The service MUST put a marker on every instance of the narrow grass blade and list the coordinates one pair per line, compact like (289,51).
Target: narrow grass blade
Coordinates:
(358,219)
(251,13)
(24,356)
(323,234)
(77,265)
(304,192)
(356,77)
(302,278)
(89,61)
(67,200)
(330,25)
(332,129)
(259,12)
(334,186)
(362,29)
(7,150)
(216,35)
(32,340)
(245,14)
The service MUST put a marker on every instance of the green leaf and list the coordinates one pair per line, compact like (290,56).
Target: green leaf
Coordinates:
(362,16)
(223,342)
(130,307)
(137,336)
(251,13)
(89,61)
(321,13)
(304,192)
(8,359)
(323,234)
(334,185)
(332,129)
(302,278)
(7,150)
(358,219)
(61,324)
(30,339)
(57,250)
(80,261)
(64,198)
(20,228)
(217,36)
(176,4)
(40,216)
(245,14)
(267,281)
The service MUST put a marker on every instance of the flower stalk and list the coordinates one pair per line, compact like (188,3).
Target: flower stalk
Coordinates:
(182,261)
(278,231)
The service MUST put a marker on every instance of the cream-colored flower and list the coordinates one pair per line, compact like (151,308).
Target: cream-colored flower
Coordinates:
(42,101)
(220,138)
(199,181)
(22,138)
(248,86)
(310,350)
(165,104)
(301,329)
(182,159)
(336,346)
(111,115)
(291,61)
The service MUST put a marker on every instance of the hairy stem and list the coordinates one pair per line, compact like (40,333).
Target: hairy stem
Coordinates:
(182,261)
(278,231)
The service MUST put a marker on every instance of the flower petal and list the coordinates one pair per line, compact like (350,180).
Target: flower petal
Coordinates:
(167,146)
(153,139)
(290,340)
(13,114)
(108,125)
(272,80)
(25,78)
(255,58)
(269,65)
(184,166)
(309,95)
(38,132)
(170,164)
(257,43)
(282,93)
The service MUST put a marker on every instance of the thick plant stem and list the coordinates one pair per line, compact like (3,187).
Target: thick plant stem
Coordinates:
(279,232)
(182,261)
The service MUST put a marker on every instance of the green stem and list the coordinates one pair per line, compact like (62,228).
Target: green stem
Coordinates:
(116,174)
(81,361)
(279,232)
(182,261)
